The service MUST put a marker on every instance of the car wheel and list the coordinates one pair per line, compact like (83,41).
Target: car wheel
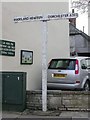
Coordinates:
(86,86)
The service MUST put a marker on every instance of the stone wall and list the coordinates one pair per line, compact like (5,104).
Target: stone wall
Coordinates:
(59,100)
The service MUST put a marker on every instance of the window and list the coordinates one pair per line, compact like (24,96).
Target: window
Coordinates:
(88,63)
(83,64)
(63,64)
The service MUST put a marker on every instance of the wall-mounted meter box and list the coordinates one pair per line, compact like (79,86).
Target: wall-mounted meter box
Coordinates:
(13,91)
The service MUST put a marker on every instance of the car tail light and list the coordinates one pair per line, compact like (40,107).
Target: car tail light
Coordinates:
(76,67)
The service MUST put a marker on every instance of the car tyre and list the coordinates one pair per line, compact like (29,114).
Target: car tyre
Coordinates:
(87,86)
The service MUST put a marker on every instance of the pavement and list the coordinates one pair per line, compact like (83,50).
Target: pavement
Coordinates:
(50,115)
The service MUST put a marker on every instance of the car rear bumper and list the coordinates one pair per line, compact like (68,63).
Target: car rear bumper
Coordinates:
(63,86)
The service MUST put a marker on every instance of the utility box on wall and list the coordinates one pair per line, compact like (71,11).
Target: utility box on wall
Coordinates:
(13,91)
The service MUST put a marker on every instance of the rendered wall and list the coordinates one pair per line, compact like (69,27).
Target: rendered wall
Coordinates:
(89,20)
(28,36)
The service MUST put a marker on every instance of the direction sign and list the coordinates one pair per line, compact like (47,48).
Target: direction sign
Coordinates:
(46,17)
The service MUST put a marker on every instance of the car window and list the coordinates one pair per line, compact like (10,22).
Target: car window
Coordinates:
(88,62)
(83,64)
(66,64)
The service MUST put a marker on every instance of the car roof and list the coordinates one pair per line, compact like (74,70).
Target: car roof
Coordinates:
(73,57)
(80,58)
(76,57)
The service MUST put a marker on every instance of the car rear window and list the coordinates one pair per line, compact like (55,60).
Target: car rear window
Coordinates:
(63,64)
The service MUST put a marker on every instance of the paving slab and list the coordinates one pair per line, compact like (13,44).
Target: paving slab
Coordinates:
(41,113)
(53,115)
(10,114)
(75,114)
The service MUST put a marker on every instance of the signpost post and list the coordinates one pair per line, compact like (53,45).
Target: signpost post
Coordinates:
(45,19)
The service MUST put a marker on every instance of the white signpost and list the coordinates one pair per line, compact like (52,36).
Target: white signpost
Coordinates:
(44,19)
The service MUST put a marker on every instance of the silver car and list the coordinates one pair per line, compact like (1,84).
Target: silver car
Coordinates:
(69,73)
